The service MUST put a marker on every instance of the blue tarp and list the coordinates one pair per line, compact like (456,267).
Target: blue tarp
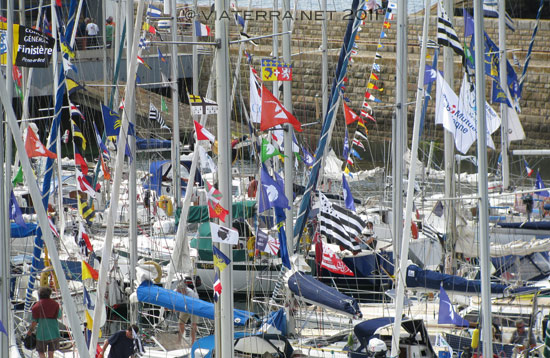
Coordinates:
(416,277)
(366,329)
(19,231)
(533,225)
(309,288)
(149,293)
(152,143)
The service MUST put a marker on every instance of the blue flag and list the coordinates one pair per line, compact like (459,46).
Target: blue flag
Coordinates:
(345,152)
(272,194)
(355,154)
(540,185)
(112,121)
(447,314)
(308,158)
(88,300)
(468,23)
(2,328)
(430,74)
(348,198)
(283,250)
(261,240)
(15,212)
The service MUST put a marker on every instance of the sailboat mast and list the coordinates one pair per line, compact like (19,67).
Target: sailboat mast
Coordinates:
(224,307)
(402,268)
(449,160)
(176,174)
(504,85)
(399,135)
(130,111)
(324,59)
(482,183)
(5,192)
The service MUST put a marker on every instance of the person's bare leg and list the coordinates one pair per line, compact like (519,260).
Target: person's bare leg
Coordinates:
(50,354)
(181,330)
(193,332)
(42,355)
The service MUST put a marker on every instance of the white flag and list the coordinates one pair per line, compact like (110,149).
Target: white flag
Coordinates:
(223,234)
(255,99)
(205,160)
(515,130)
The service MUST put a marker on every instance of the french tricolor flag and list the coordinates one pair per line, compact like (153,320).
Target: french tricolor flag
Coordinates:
(202,29)
(529,170)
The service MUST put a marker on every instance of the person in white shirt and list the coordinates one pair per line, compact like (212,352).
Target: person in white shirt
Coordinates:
(92,30)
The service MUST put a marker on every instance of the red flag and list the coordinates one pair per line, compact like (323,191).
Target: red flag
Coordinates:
(82,233)
(367,115)
(215,210)
(79,160)
(83,184)
(58,3)
(333,263)
(88,271)
(202,133)
(350,115)
(35,148)
(273,112)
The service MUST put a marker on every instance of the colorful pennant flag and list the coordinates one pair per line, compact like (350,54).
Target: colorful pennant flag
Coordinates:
(217,287)
(220,260)
(203,133)
(88,271)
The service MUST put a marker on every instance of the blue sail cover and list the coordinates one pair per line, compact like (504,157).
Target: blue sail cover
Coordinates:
(153,143)
(17,230)
(417,277)
(309,288)
(532,225)
(150,293)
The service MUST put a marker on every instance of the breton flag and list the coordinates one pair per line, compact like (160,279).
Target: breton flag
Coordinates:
(446,34)
(339,223)
(202,29)
(203,133)
(155,115)
(201,105)
(333,263)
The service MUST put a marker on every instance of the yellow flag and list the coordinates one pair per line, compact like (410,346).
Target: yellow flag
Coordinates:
(90,323)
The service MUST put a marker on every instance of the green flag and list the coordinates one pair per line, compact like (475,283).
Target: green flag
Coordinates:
(163,106)
(268,150)
(18,177)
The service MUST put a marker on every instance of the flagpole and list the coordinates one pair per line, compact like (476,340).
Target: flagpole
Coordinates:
(402,268)
(449,154)
(176,174)
(504,144)
(483,212)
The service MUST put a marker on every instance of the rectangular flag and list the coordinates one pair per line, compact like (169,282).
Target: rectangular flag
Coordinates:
(271,193)
(255,98)
(223,234)
(202,29)
(154,115)
(153,11)
(446,34)
(348,198)
(273,70)
(529,170)
(339,223)
(15,212)
(261,241)
(220,260)
(539,184)
(333,263)
(217,287)
(358,143)
(201,105)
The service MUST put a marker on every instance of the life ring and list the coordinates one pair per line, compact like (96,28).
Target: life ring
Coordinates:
(158,268)
(414,231)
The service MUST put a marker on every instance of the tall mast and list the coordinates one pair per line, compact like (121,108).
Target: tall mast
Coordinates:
(399,134)
(450,212)
(176,175)
(121,143)
(482,182)
(402,268)
(504,85)
(130,112)
(5,191)
(224,307)
(324,60)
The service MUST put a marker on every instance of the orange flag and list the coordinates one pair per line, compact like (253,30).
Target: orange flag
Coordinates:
(35,148)
(88,271)
(273,112)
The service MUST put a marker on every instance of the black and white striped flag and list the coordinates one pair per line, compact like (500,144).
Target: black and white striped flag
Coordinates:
(446,34)
(155,115)
(339,223)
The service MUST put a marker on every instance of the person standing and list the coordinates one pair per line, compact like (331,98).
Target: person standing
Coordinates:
(122,343)
(185,317)
(109,29)
(45,313)
(92,30)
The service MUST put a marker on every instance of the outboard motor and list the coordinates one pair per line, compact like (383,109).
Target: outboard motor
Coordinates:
(377,348)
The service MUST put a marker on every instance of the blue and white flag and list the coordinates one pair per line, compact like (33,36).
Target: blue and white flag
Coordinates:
(280,218)
(348,198)
(272,194)
(15,212)
(430,74)
(539,184)
(345,151)
(88,300)
(153,11)
(447,314)
(308,158)
(261,240)
(355,154)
